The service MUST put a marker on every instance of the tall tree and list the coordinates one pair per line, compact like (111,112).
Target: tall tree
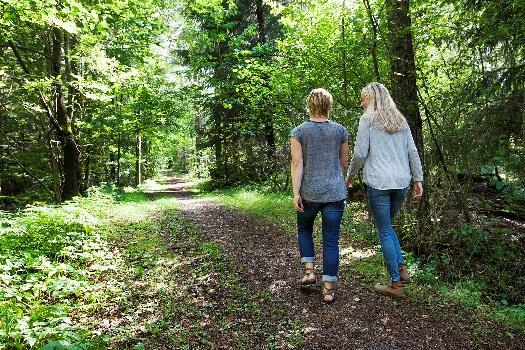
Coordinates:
(62,66)
(404,79)
(268,123)
(404,90)
(63,124)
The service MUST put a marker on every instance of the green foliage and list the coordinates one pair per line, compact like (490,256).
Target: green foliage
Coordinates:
(257,200)
(491,257)
(48,258)
(469,73)
(253,77)
(371,269)
(122,269)
(221,104)
(115,83)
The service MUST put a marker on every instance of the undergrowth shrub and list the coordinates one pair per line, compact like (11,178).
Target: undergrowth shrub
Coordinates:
(493,257)
(48,258)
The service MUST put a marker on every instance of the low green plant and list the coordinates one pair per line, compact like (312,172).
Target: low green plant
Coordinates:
(277,206)
(49,258)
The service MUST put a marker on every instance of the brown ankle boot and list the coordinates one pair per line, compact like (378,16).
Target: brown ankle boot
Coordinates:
(404,275)
(393,289)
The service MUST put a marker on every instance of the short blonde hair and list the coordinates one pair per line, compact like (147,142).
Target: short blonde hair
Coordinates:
(319,102)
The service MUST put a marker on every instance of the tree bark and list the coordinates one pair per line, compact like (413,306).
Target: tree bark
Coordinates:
(118,158)
(259,12)
(87,171)
(269,131)
(375,30)
(112,167)
(71,153)
(138,159)
(404,91)
(523,117)
(404,86)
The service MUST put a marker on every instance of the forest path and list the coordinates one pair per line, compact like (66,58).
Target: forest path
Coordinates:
(266,258)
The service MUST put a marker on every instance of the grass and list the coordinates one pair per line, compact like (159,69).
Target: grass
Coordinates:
(276,207)
(362,256)
(124,270)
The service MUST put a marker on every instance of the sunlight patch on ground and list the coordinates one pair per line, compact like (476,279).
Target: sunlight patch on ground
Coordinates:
(193,204)
(348,254)
(248,196)
(152,185)
(276,286)
(159,185)
(131,212)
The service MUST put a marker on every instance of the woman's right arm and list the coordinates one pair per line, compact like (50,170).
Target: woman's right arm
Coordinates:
(297,173)
(361,148)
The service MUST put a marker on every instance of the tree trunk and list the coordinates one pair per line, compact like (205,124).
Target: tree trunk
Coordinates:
(269,131)
(375,29)
(73,106)
(270,140)
(344,57)
(118,159)
(259,12)
(87,171)
(523,117)
(404,91)
(112,167)
(71,153)
(404,87)
(138,161)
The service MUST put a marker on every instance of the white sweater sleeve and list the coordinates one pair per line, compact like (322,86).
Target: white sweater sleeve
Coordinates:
(361,147)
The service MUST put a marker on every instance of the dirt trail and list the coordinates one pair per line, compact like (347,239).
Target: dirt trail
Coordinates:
(267,258)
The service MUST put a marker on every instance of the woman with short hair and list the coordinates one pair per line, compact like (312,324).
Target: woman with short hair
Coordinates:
(319,150)
(385,148)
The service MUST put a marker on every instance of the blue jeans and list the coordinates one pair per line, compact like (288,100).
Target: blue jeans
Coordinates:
(384,204)
(332,214)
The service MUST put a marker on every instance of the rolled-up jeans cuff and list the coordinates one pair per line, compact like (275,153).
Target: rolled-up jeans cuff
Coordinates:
(327,278)
(308,259)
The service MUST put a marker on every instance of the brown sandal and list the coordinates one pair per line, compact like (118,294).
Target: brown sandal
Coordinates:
(328,292)
(306,281)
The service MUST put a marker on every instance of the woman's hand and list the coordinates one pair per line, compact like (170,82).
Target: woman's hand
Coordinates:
(417,191)
(298,202)
(348,182)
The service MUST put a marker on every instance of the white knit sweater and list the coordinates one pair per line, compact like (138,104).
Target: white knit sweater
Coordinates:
(390,160)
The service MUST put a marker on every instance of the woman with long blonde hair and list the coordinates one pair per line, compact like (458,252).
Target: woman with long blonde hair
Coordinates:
(385,149)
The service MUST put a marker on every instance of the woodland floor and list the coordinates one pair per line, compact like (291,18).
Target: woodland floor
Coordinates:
(263,258)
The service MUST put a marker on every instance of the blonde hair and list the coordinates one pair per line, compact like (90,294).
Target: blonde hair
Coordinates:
(382,108)
(319,102)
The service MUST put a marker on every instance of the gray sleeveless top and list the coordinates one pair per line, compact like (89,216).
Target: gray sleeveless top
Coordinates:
(323,179)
